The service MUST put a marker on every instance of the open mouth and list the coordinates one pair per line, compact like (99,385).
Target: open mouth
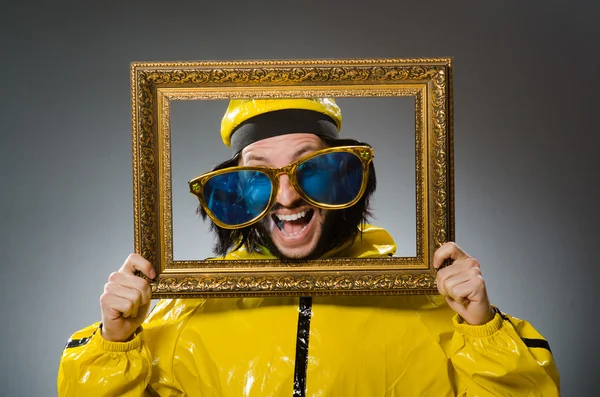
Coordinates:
(293,224)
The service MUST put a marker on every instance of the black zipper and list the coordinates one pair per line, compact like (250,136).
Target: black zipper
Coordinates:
(304,315)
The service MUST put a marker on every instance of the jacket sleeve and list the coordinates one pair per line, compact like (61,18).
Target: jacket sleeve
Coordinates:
(506,356)
(92,366)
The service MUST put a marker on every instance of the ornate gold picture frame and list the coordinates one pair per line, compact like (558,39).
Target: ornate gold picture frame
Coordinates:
(155,85)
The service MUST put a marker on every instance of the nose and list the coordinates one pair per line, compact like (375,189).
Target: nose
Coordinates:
(287,196)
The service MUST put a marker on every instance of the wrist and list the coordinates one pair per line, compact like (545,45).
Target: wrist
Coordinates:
(485,318)
(110,337)
(116,346)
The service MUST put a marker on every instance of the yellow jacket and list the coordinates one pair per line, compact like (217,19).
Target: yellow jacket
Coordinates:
(356,346)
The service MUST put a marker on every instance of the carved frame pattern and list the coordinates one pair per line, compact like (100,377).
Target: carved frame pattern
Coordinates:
(154,85)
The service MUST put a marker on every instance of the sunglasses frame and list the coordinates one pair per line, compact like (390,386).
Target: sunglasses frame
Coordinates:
(364,153)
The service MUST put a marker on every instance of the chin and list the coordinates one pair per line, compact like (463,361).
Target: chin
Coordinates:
(296,253)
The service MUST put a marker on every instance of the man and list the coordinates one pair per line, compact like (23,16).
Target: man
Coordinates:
(303,193)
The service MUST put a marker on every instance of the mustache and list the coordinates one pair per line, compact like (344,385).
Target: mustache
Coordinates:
(296,204)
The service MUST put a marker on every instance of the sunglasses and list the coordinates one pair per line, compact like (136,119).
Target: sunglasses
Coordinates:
(332,178)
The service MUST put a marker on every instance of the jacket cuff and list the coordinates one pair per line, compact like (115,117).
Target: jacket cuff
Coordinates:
(478,331)
(134,342)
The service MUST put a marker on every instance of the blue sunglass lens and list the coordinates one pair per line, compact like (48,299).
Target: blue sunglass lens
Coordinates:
(333,178)
(237,197)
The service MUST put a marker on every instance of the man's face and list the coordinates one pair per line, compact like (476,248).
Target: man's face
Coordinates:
(294,226)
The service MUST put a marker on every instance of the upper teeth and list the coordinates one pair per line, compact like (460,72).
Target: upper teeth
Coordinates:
(291,217)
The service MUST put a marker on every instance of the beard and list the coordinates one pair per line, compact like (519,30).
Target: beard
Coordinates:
(325,242)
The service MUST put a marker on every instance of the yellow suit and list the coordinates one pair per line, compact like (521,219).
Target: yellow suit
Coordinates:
(355,346)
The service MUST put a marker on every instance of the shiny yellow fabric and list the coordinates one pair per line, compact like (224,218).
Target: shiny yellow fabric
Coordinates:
(240,110)
(358,346)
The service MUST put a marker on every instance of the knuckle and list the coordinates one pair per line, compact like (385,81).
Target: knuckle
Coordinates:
(447,286)
(452,244)
(475,271)
(441,282)
(452,292)
(128,305)
(442,274)
(481,282)
(114,276)
(473,262)
(131,257)
(440,286)
(458,292)
(103,299)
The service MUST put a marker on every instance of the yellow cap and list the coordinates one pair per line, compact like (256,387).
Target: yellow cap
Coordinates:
(240,110)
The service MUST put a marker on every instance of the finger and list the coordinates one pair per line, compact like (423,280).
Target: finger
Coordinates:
(467,291)
(449,284)
(130,294)
(133,282)
(445,283)
(116,305)
(459,266)
(448,250)
(135,262)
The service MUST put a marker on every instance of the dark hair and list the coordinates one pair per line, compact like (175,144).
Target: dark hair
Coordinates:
(346,221)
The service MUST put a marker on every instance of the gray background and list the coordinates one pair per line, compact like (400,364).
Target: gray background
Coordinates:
(526,98)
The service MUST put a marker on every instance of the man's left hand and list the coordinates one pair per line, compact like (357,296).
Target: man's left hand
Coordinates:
(462,284)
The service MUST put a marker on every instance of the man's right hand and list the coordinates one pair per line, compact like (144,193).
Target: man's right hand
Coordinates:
(126,299)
